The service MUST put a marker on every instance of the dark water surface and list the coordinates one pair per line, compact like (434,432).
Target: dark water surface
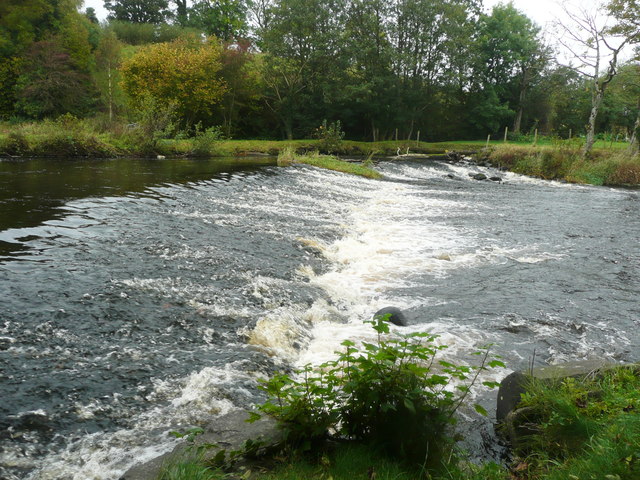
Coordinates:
(144,296)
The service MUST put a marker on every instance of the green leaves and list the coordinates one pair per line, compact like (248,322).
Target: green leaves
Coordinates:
(390,392)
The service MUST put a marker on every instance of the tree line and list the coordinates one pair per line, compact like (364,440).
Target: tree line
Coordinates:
(278,68)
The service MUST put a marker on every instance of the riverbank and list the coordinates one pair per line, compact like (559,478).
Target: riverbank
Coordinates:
(69,137)
(610,165)
(570,421)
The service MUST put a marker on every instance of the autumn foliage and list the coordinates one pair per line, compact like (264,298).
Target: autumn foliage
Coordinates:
(185,73)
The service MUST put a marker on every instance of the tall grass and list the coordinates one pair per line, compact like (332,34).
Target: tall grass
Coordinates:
(584,428)
(563,161)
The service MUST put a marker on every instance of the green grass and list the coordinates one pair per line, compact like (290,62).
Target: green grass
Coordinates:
(333,163)
(348,461)
(584,428)
(288,157)
(549,159)
(563,161)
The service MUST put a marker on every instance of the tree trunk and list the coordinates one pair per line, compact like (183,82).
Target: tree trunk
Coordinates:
(517,122)
(288,129)
(634,145)
(110,93)
(596,101)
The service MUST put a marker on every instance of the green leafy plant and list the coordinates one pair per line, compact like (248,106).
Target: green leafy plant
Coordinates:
(205,140)
(330,136)
(394,394)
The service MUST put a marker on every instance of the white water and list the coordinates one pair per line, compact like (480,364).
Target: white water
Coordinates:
(396,242)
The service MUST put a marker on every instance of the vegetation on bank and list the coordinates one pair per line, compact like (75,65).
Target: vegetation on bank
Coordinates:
(581,429)
(385,410)
(69,136)
(288,157)
(610,164)
(281,68)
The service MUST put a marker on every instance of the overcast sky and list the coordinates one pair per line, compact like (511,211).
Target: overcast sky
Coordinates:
(540,11)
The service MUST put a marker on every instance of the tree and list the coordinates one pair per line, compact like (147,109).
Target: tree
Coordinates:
(90,13)
(370,75)
(242,77)
(50,84)
(305,60)
(586,38)
(185,72)
(138,11)
(108,58)
(509,54)
(627,15)
(423,33)
(225,19)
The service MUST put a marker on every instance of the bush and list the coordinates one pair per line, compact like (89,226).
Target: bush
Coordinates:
(204,141)
(15,144)
(330,136)
(391,394)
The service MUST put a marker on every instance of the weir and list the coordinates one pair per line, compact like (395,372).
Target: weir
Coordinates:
(133,310)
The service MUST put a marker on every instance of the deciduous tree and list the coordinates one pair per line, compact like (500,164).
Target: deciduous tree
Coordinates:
(138,11)
(586,37)
(185,72)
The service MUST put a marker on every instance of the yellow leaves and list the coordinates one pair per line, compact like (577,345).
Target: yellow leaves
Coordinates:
(184,72)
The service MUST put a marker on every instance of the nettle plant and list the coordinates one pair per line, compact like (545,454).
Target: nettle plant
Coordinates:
(394,394)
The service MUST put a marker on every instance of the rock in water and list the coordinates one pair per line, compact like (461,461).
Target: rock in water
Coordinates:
(393,315)
(479,176)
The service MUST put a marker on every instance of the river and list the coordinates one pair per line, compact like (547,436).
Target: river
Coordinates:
(142,296)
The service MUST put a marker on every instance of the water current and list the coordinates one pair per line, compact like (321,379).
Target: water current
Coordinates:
(140,297)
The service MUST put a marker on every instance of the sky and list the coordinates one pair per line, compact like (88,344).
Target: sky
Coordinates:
(540,11)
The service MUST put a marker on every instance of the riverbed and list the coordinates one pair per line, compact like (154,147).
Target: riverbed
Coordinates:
(143,296)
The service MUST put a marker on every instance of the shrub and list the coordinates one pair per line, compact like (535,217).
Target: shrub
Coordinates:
(391,394)
(204,141)
(330,136)
(16,144)
(627,172)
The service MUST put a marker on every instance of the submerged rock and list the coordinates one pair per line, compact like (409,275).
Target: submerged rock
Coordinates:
(394,315)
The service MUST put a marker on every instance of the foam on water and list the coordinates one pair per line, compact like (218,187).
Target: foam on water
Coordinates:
(341,248)
(189,401)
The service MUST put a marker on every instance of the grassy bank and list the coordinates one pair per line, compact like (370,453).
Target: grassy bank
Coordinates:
(608,165)
(573,429)
(69,137)
(288,156)
(582,428)
(549,159)
(348,461)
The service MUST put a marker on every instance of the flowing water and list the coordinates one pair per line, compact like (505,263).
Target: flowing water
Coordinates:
(140,297)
